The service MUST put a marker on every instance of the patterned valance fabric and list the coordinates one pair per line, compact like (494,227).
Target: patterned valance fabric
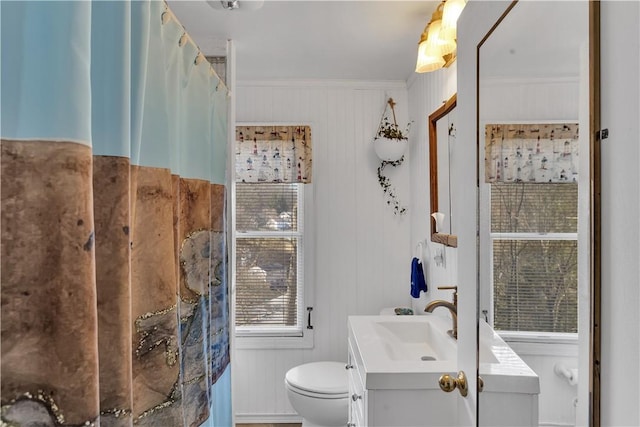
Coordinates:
(268,154)
(531,152)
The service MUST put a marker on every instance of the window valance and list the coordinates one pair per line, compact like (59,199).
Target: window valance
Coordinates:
(268,154)
(531,152)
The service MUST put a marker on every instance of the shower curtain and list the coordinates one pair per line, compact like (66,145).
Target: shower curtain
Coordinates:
(114,254)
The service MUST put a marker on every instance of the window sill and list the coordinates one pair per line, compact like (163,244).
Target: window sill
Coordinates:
(541,344)
(257,342)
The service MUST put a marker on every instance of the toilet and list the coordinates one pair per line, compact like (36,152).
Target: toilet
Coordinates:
(319,392)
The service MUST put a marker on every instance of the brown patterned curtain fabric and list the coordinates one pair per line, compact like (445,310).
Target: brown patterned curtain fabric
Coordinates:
(150,236)
(268,154)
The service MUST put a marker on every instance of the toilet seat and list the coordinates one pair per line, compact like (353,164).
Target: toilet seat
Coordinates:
(315,395)
(320,380)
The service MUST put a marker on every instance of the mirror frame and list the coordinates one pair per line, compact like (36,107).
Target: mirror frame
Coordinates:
(446,239)
(595,202)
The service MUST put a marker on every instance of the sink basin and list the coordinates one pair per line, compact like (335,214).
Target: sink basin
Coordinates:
(403,340)
(411,352)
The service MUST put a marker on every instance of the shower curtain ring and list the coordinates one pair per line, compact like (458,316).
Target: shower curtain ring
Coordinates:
(183,40)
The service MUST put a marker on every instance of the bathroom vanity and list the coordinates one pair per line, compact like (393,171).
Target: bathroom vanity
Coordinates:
(395,363)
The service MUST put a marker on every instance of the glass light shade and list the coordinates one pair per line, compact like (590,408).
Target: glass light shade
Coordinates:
(427,63)
(435,45)
(450,15)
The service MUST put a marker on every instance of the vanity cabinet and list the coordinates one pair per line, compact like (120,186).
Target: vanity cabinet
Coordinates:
(395,362)
(371,405)
(357,393)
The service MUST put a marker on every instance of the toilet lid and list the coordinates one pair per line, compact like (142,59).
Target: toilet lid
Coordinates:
(320,377)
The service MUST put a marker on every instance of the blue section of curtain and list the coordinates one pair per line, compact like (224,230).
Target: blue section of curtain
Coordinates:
(111,78)
(219,132)
(46,88)
(155,141)
(178,97)
(221,402)
(139,54)
(196,117)
(109,91)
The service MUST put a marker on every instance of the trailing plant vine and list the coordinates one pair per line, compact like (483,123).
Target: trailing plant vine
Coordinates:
(388,190)
(391,131)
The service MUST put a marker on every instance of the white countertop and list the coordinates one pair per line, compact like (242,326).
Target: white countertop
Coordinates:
(390,350)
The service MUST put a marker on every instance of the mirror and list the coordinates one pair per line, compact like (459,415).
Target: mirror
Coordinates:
(442,134)
(538,255)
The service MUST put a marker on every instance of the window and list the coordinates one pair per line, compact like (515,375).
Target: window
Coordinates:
(269,254)
(534,256)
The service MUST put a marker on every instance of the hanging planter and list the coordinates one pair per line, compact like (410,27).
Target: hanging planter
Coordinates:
(390,144)
(389,150)
(390,141)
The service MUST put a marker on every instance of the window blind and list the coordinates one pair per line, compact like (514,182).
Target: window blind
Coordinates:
(534,208)
(534,256)
(269,255)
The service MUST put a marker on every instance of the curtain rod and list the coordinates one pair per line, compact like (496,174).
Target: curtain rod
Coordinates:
(168,15)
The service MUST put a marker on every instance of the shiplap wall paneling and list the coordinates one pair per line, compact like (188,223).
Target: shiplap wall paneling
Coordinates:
(361,250)
(539,100)
(427,92)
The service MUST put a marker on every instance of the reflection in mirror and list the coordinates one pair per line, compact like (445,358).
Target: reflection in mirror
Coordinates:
(442,134)
(534,199)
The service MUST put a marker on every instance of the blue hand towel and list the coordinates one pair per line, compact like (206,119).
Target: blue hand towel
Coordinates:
(418,283)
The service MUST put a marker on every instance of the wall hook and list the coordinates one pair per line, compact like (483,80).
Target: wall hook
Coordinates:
(419,252)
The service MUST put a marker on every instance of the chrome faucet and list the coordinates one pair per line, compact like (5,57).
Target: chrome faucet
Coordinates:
(452,306)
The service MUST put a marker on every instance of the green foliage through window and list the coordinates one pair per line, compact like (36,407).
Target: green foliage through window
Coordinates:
(268,249)
(535,277)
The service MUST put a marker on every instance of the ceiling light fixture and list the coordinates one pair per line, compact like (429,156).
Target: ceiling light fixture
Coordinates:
(450,15)
(229,5)
(437,45)
(239,5)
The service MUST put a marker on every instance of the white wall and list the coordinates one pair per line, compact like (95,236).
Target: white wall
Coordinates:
(620,68)
(427,92)
(558,398)
(362,250)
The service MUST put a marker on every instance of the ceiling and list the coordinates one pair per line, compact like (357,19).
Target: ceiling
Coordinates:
(363,40)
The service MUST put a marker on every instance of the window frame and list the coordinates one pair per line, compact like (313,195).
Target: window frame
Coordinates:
(272,340)
(540,340)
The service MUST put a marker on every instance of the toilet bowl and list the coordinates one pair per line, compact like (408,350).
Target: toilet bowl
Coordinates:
(319,393)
